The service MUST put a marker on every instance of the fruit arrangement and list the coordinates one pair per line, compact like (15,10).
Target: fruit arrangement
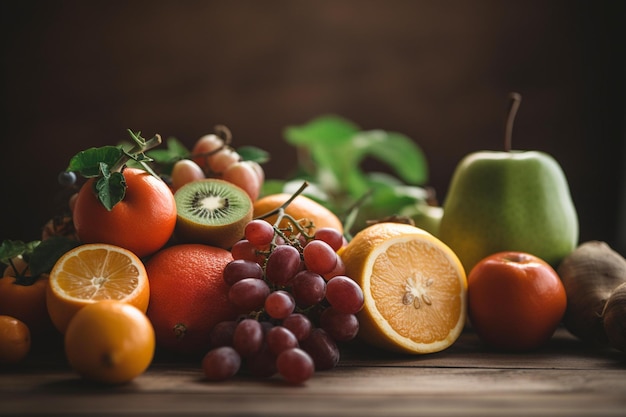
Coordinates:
(195,253)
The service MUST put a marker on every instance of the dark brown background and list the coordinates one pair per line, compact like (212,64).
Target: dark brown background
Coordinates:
(79,73)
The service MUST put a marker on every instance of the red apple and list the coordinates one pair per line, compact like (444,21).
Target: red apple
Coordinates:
(515,300)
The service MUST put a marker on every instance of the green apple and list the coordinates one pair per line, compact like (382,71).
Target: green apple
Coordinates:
(509,201)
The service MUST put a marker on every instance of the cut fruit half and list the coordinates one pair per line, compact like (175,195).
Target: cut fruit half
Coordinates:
(414,286)
(212,212)
(91,273)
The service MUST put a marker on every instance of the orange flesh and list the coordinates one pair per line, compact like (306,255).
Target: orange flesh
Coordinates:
(98,274)
(417,291)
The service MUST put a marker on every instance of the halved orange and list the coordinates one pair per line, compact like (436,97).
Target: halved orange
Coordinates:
(414,287)
(91,273)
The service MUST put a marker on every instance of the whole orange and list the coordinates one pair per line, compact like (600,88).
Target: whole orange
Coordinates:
(142,222)
(109,341)
(15,340)
(188,295)
(302,208)
(515,300)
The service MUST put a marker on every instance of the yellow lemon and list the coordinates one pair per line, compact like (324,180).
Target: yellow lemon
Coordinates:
(414,287)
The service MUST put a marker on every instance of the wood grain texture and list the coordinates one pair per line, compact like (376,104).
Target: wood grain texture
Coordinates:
(564,378)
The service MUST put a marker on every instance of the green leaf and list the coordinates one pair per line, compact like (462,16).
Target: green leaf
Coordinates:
(398,151)
(110,188)
(252,153)
(9,249)
(48,253)
(88,162)
(174,151)
(271,186)
(322,131)
(388,197)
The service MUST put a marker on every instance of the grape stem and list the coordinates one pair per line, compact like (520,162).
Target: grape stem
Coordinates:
(281,209)
(281,215)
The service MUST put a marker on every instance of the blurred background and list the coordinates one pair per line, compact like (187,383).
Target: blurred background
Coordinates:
(77,74)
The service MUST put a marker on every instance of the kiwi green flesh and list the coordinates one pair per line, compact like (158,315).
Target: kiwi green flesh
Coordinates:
(212,202)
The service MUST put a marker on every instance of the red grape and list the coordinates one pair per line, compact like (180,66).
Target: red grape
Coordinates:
(279,304)
(239,269)
(243,249)
(248,294)
(259,233)
(344,294)
(340,326)
(322,348)
(308,288)
(280,338)
(299,325)
(282,264)
(221,363)
(295,365)
(340,269)
(222,334)
(248,337)
(331,236)
(319,257)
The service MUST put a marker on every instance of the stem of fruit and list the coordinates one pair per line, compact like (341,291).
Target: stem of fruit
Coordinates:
(224,133)
(514,103)
(141,146)
(283,206)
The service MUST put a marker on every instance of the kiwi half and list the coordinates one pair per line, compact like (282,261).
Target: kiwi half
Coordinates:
(211,211)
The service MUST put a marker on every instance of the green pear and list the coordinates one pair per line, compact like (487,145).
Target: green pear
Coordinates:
(509,200)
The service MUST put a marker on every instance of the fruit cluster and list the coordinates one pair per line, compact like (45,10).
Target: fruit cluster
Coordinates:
(294,300)
(212,156)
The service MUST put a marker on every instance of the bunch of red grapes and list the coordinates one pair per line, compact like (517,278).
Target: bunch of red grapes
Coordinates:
(296,304)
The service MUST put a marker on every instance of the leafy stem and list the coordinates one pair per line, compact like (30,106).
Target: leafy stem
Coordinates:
(39,256)
(137,152)
(105,164)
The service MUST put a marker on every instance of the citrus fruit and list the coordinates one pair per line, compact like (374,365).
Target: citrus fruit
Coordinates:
(14,340)
(142,222)
(91,273)
(301,208)
(188,295)
(414,288)
(110,342)
(515,300)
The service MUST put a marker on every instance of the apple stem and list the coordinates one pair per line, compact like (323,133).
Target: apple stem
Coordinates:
(514,103)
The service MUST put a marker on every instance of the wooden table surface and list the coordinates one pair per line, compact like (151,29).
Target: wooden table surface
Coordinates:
(566,378)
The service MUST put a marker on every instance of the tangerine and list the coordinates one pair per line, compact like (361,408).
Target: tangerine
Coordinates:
(110,342)
(142,222)
(516,300)
(414,288)
(302,208)
(14,340)
(188,295)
